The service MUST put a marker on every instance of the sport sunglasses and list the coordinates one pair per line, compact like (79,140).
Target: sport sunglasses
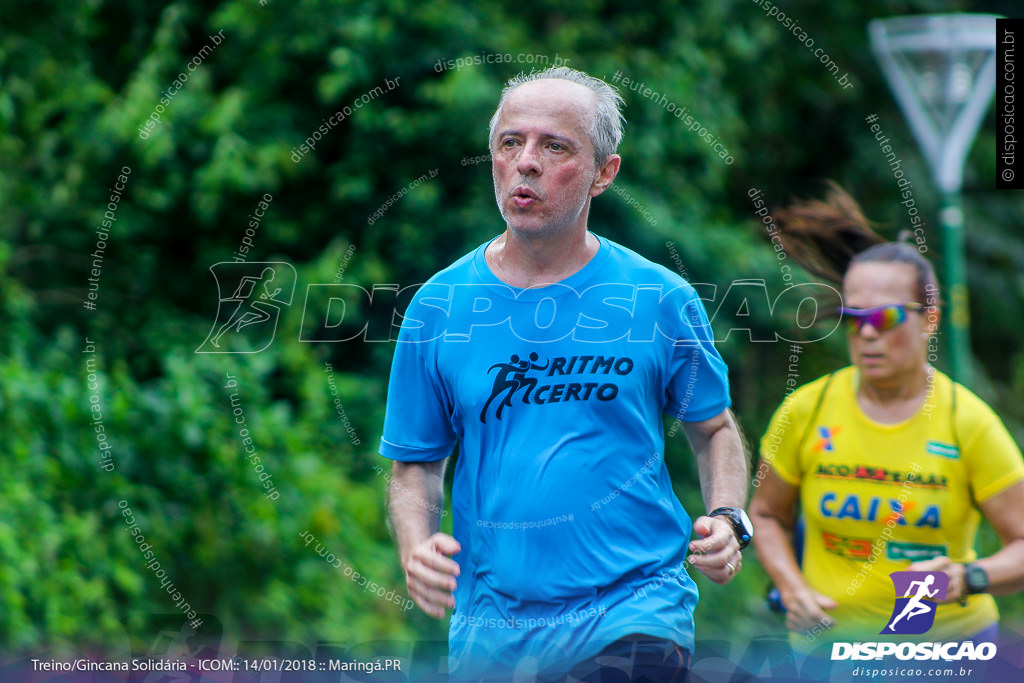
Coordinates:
(881,318)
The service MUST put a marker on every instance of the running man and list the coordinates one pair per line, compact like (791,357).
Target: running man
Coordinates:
(513,369)
(538,581)
(529,382)
(249,311)
(914,606)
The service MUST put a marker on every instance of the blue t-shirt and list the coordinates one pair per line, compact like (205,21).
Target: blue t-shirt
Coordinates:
(571,534)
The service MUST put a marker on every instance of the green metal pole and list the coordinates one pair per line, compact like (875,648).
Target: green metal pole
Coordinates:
(958,319)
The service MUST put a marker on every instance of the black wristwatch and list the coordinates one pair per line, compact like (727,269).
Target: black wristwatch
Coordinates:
(975,578)
(740,523)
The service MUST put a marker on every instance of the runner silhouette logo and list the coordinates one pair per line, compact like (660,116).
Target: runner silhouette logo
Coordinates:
(514,386)
(510,379)
(917,596)
(251,297)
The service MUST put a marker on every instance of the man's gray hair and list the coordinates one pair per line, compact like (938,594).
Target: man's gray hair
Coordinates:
(605,126)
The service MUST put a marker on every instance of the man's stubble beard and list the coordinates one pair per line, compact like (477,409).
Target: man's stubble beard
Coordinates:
(582,190)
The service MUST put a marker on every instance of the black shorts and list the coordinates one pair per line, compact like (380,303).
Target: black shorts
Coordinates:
(634,659)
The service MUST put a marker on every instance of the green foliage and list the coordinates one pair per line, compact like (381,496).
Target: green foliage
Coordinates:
(78,80)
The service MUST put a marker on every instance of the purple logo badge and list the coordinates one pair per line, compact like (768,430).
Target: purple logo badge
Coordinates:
(917,595)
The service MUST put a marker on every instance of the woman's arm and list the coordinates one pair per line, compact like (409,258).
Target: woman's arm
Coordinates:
(1005,568)
(773,514)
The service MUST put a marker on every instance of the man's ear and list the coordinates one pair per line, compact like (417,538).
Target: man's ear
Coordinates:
(606,174)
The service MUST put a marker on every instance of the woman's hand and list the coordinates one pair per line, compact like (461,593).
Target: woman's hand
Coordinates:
(954,570)
(805,610)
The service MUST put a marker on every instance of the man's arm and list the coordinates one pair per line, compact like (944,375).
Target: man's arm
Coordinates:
(724,476)
(415,500)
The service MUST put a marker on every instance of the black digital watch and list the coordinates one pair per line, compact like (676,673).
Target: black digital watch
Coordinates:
(741,525)
(975,579)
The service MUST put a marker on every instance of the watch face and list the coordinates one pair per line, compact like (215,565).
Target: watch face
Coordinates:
(745,521)
(976,579)
(740,524)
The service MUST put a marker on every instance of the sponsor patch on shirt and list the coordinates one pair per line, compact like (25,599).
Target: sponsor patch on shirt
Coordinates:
(915,552)
(847,546)
(882,475)
(945,450)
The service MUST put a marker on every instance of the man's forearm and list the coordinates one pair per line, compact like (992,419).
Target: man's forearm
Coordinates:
(415,501)
(722,467)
